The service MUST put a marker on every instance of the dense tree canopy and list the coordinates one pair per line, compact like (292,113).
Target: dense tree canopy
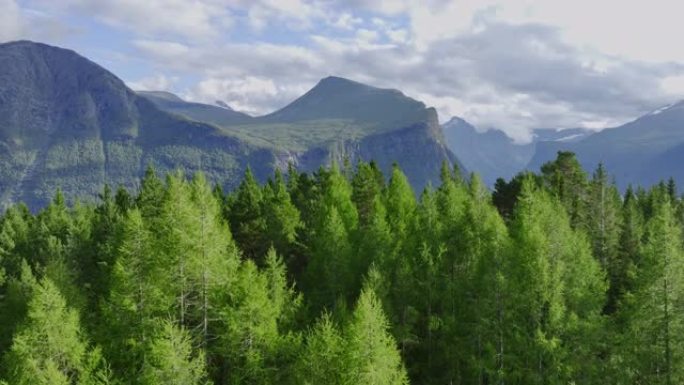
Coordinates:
(347,276)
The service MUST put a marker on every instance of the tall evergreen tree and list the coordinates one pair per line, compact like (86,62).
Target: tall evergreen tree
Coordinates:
(281,217)
(657,324)
(371,356)
(171,359)
(321,359)
(558,288)
(48,352)
(566,179)
(246,217)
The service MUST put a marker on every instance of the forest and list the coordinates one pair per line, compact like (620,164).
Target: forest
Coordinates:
(347,276)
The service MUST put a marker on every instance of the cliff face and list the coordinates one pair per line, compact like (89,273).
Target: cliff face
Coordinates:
(66,122)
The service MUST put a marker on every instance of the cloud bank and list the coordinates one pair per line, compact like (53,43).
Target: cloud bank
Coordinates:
(512,65)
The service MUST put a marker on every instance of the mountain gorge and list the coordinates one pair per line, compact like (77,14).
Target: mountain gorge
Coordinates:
(66,122)
(493,154)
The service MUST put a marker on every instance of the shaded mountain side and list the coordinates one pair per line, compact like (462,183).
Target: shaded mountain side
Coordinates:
(492,153)
(417,149)
(66,122)
(639,152)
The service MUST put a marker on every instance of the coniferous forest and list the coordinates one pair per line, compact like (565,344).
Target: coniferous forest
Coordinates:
(347,276)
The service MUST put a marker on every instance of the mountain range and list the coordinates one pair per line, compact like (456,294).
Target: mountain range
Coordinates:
(493,154)
(641,152)
(68,123)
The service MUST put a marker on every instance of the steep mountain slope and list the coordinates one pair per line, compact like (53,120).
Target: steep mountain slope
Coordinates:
(67,122)
(640,152)
(492,153)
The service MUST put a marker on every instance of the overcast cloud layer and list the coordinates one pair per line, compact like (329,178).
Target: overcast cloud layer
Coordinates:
(509,64)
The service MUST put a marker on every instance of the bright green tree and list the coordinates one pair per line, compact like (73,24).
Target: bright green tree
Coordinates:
(657,325)
(372,356)
(49,347)
(171,359)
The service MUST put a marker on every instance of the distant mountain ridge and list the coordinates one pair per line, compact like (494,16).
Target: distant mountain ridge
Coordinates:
(66,122)
(643,151)
(493,154)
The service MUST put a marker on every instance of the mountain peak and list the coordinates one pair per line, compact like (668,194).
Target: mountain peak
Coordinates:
(335,97)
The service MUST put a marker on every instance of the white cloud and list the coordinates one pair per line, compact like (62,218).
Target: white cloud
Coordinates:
(156,82)
(499,63)
(243,94)
(674,85)
(162,49)
(346,21)
(184,18)
(10,20)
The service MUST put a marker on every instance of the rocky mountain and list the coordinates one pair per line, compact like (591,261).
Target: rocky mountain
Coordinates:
(337,119)
(67,122)
(493,154)
(644,151)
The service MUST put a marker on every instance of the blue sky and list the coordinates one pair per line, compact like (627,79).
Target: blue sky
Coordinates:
(510,64)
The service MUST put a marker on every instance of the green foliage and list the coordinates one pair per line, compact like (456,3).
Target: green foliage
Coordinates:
(371,356)
(47,351)
(341,278)
(171,360)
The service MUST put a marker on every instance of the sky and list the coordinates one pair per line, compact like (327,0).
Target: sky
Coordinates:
(513,65)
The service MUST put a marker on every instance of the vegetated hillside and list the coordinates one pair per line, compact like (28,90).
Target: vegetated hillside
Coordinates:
(67,122)
(492,153)
(640,152)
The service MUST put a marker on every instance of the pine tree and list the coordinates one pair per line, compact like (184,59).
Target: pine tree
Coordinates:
(400,202)
(212,259)
(365,189)
(246,217)
(371,355)
(657,324)
(251,340)
(281,216)
(321,360)
(328,276)
(151,194)
(565,178)
(139,294)
(171,359)
(604,222)
(48,352)
(559,290)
